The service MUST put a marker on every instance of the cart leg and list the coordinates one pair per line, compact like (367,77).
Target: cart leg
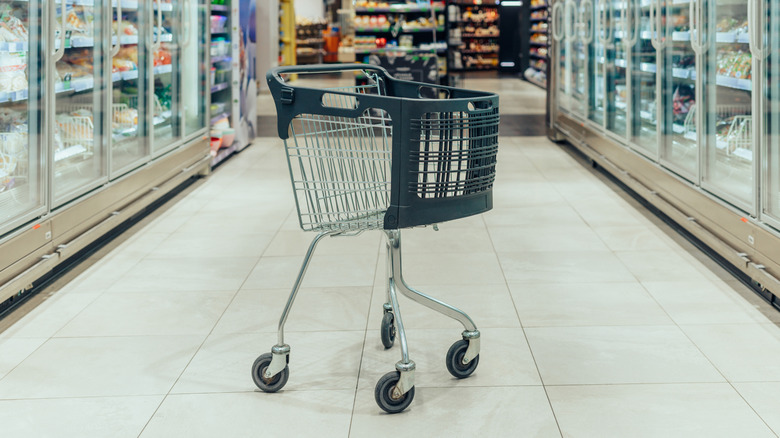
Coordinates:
(281,351)
(470,334)
(387,330)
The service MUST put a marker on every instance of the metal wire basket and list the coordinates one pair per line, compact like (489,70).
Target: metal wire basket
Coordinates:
(381,156)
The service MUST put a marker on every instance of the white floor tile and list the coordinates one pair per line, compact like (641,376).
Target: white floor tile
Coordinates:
(702,302)
(564,267)
(764,398)
(90,367)
(504,358)
(50,316)
(659,266)
(247,414)
(96,417)
(682,410)
(742,352)
(318,360)
(324,271)
(338,308)
(586,304)
(149,313)
(226,243)
(459,412)
(14,350)
(488,305)
(614,355)
(544,237)
(186,274)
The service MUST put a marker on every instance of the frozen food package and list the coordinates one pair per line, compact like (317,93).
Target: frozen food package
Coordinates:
(12,71)
(12,30)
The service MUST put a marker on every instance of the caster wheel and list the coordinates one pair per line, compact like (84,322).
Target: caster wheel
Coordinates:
(273,384)
(388,330)
(383,393)
(455,364)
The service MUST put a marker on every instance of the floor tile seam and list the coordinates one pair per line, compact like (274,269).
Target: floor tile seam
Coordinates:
(752,408)
(525,336)
(198,349)
(49,338)
(700,383)
(80,397)
(687,336)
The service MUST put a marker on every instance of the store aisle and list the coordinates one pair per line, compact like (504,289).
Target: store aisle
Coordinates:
(596,320)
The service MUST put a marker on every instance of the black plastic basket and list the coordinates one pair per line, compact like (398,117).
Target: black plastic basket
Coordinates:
(382,156)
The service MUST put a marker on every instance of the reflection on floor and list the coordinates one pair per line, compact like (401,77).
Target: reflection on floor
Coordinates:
(596,320)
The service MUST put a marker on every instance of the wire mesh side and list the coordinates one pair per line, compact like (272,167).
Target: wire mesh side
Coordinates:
(340,169)
(456,154)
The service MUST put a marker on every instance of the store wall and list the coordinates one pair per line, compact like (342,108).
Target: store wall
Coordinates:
(267,39)
(310,8)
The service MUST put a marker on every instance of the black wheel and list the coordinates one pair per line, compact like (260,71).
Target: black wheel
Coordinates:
(388,330)
(273,384)
(384,394)
(455,364)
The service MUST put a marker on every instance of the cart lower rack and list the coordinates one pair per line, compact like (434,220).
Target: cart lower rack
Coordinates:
(380,156)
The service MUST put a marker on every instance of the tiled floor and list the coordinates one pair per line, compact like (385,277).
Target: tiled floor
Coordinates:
(597,320)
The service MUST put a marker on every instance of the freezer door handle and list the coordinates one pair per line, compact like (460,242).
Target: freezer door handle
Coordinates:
(115,47)
(557,26)
(756,30)
(156,46)
(59,51)
(586,21)
(697,36)
(185,36)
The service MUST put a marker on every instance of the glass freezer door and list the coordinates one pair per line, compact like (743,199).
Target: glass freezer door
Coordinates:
(602,15)
(616,65)
(771,82)
(166,117)
(194,40)
(679,143)
(644,68)
(21,176)
(128,148)
(76,137)
(728,157)
(581,37)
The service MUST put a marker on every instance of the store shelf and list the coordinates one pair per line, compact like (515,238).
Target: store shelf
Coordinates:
(536,8)
(224,153)
(397,50)
(534,55)
(220,8)
(220,87)
(219,117)
(163,69)
(217,59)
(389,30)
(478,36)
(479,52)
(13,47)
(398,9)
(536,20)
(535,43)
(13,96)
(478,3)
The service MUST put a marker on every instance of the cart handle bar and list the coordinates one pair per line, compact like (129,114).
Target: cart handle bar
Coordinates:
(292,100)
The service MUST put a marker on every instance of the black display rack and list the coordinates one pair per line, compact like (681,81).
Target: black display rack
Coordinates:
(473,35)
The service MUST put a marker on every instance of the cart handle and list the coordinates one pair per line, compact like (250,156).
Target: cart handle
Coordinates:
(276,72)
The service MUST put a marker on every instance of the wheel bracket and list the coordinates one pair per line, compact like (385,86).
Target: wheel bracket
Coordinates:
(405,381)
(472,337)
(278,361)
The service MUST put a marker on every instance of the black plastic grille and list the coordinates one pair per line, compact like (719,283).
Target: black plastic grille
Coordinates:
(456,154)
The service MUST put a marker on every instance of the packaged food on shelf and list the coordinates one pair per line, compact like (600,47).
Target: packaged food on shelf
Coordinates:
(13,76)
(12,29)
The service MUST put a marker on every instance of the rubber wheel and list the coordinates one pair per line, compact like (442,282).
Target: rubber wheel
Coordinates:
(384,390)
(455,364)
(273,384)
(388,330)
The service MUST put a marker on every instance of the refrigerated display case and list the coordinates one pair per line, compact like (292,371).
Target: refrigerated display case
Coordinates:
(94,123)
(673,87)
(22,178)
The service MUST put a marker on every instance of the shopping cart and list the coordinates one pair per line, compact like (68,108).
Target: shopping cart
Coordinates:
(380,157)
